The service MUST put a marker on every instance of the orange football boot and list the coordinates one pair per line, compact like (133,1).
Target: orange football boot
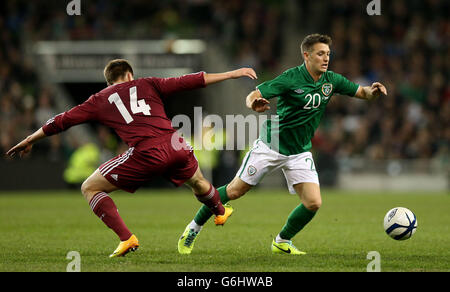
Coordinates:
(125,247)
(221,219)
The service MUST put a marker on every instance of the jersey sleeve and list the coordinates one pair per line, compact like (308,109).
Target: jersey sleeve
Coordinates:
(343,85)
(168,86)
(274,87)
(79,114)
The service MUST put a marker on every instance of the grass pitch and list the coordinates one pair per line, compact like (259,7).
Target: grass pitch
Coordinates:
(39,229)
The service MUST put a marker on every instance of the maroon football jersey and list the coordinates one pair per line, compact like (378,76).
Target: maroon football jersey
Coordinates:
(133,109)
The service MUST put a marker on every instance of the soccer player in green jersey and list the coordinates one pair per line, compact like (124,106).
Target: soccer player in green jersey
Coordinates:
(303,93)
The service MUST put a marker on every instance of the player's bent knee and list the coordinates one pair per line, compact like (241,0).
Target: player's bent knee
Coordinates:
(87,191)
(84,188)
(313,205)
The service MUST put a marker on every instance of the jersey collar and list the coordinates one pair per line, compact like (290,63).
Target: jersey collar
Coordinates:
(308,76)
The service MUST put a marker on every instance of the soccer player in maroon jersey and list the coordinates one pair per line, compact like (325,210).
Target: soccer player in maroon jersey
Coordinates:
(135,110)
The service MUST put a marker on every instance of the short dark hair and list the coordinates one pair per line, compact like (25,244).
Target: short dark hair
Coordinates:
(116,69)
(310,40)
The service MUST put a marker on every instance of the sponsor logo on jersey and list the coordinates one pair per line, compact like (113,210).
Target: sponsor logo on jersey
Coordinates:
(115,177)
(327,88)
(299,91)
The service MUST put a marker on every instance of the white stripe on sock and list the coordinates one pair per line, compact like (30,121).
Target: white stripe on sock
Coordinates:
(96,199)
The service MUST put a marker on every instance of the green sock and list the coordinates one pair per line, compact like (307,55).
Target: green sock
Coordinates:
(205,213)
(298,218)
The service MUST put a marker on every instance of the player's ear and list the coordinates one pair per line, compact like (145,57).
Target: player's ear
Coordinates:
(130,76)
(305,55)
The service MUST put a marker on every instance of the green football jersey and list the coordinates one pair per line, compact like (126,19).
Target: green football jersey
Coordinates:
(300,107)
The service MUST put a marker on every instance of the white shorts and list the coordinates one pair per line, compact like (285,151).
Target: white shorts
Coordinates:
(261,160)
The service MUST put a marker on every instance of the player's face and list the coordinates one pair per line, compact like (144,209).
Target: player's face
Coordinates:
(319,57)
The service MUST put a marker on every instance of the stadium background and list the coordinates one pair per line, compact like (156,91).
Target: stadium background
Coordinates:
(371,157)
(400,142)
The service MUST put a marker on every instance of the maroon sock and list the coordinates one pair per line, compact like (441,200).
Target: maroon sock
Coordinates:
(104,207)
(211,199)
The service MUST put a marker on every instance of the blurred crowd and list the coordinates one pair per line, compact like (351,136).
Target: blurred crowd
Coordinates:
(406,48)
(247,30)
(25,102)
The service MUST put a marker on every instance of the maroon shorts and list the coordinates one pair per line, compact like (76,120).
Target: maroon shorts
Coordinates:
(151,159)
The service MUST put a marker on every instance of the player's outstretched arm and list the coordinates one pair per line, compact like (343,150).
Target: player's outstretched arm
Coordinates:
(371,92)
(211,78)
(25,145)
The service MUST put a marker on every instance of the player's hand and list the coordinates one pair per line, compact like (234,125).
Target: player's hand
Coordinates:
(260,105)
(377,89)
(22,148)
(249,72)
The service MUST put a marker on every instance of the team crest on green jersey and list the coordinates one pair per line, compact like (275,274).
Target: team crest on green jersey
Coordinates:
(327,88)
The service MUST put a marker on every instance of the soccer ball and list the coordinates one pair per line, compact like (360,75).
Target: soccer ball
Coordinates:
(400,223)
